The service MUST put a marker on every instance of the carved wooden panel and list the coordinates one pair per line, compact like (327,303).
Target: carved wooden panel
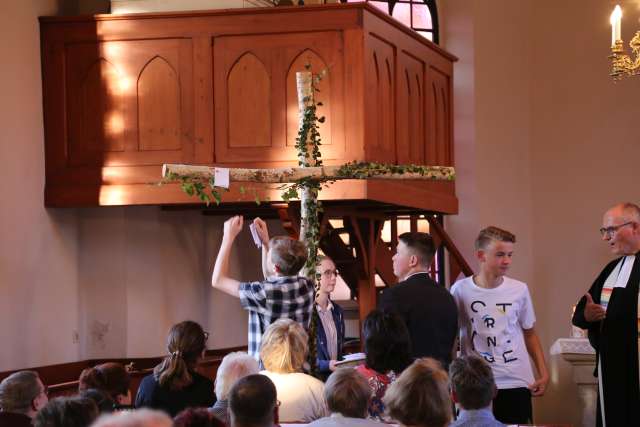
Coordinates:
(381,108)
(411,139)
(439,148)
(255,94)
(129,102)
(159,107)
(249,94)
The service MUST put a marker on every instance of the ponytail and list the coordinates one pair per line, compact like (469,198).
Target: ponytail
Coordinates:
(185,343)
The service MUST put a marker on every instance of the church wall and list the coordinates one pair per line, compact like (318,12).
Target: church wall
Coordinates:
(545,142)
(85,283)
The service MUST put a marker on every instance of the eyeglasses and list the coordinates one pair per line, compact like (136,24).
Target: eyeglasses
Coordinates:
(330,273)
(610,231)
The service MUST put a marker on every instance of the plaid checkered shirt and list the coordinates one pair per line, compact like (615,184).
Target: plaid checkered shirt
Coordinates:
(288,297)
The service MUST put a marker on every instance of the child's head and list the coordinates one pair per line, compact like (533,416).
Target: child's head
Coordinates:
(494,249)
(286,256)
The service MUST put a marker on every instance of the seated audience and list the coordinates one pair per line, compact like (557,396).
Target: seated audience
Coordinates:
(175,384)
(420,396)
(111,378)
(233,367)
(388,352)
(22,395)
(473,388)
(253,402)
(197,417)
(283,352)
(330,326)
(137,418)
(103,401)
(67,412)
(347,394)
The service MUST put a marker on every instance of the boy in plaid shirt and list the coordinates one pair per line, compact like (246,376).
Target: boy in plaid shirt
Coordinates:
(283,294)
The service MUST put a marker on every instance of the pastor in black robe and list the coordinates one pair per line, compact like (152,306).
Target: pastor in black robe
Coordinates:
(615,340)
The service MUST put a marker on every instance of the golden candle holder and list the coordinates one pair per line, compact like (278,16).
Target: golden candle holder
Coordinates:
(622,64)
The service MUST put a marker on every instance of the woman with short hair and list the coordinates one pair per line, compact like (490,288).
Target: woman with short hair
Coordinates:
(283,352)
(175,384)
(234,366)
(420,396)
(388,352)
(111,378)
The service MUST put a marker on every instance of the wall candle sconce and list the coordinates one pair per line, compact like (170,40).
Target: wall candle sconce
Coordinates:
(622,64)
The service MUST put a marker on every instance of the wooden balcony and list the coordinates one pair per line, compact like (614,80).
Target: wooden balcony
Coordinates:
(124,94)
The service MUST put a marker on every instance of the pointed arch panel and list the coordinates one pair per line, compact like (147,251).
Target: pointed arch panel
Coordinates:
(158,107)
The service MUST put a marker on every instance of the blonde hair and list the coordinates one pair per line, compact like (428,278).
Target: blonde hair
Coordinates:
(284,347)
(492,233)
(420,396)
(234,366)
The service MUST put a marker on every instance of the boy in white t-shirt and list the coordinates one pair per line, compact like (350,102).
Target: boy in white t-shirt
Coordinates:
(496,321)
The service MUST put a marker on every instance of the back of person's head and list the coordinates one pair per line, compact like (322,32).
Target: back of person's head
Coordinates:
(102,399)
(491,233)
(420,396)
(472,382)
(284,347)
(421,245)
(19,391)
(197,417)
(287,254)
(186,343)
(347,392)
(67,412)
(386,342)
(138,418)
(111,378)
(233,367)
(252,402)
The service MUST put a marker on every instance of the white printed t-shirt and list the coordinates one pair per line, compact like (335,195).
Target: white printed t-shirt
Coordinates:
(492,320)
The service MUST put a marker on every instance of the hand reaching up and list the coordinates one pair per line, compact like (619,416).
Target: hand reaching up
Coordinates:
(263,232)
(233,226)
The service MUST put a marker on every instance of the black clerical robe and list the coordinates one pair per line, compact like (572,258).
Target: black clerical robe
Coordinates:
(615,340)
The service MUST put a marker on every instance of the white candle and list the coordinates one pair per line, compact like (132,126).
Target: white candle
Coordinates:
(615,20)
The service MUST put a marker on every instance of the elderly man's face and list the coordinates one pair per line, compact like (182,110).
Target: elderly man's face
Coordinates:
(620,231)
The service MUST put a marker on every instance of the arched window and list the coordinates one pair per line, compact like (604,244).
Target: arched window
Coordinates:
(421,15)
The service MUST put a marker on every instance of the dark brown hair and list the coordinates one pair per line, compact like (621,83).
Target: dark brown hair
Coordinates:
(386,342)
(472,382)
(111,378)
(185,343)
(421,245)
(67,412)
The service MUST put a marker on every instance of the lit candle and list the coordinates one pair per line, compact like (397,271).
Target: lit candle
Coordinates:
(615,20)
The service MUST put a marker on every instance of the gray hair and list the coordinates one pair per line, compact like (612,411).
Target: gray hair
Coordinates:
(347,392)
(138,418)
(472,382)
(233,367)
(18,390)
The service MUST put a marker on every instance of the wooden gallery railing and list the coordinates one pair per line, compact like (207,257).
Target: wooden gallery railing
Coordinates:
(62,379)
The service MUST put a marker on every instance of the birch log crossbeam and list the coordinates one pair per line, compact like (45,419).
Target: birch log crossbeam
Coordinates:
(354,170)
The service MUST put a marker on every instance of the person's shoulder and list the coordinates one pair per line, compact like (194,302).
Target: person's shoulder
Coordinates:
(514,284)
(201,379)
(462,284)
(149,381)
